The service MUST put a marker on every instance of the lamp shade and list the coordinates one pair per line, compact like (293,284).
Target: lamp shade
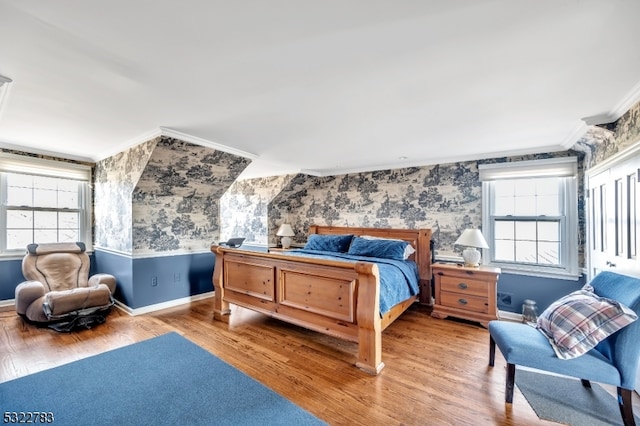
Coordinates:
(285,231)
(472,238)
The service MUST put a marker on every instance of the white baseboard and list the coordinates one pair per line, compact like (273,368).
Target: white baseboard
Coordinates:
(164,305)
(7,305)
(510,316)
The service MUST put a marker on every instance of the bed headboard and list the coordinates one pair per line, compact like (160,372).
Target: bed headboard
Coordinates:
(420,239)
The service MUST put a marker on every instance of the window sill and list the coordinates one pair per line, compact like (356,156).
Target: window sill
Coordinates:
(534,272)
(508,268)
(21,254)
(12,256)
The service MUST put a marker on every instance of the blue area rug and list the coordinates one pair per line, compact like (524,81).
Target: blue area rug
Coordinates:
(167,380)
(564,400)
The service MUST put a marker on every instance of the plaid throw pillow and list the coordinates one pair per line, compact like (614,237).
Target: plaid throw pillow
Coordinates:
(576,323)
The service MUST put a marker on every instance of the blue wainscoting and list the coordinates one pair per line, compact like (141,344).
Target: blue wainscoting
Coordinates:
(543,290)
(151,280)
(11,273)
(140,282)
(120,266)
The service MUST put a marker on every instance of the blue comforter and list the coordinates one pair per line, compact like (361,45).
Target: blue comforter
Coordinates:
(398,278)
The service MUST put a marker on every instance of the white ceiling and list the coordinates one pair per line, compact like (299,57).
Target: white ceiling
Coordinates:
(321,86)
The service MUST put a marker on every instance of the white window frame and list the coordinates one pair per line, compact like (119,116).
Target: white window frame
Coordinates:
(564,168)
(11,163)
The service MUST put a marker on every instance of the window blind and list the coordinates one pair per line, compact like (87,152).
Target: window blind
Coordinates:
(42,167)
(552,167)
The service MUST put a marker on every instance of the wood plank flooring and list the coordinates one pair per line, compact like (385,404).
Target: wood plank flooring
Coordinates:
(436,370)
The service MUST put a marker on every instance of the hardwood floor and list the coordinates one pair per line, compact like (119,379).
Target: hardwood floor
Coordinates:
(436,370)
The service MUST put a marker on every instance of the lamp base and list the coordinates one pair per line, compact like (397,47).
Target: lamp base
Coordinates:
(471,256)
(286,242)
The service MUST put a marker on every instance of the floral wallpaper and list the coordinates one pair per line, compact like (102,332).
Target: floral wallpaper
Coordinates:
(244,209)
(162,196)
(176,202)
(627,128)
(445,198)
(601,142)
(114,180)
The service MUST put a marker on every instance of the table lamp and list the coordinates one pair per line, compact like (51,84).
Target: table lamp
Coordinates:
(286,232)
(472,239)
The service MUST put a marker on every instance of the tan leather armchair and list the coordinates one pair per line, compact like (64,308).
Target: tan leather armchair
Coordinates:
(58,287)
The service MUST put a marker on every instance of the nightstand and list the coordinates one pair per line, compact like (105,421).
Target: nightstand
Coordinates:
(466,292)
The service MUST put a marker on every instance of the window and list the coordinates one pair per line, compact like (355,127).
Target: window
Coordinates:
(530,215)
(43,201)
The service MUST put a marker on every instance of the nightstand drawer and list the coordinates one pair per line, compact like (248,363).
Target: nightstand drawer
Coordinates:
(464,285)
(461,301)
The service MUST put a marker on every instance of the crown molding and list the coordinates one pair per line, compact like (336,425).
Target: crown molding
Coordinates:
(165,131)
(575,135)
(311,172)
(632,98)
(437,161)
(147,136)
(204,142)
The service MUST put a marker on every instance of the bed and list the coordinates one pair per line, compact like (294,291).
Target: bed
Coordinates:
(336,295)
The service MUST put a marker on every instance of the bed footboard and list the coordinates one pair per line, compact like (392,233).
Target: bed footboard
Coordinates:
(340,299)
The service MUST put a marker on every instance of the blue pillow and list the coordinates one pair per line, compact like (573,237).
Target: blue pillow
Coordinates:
(334,243)
(386,249)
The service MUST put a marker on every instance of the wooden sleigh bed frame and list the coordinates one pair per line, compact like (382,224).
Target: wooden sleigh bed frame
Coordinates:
(333,297)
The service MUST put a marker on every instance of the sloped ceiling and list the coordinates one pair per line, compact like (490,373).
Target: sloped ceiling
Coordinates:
(323,87)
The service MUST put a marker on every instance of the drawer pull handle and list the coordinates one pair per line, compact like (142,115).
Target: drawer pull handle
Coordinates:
(462,301)
(462,286)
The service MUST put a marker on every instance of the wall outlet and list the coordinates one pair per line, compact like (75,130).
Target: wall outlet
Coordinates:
(504,299)
(176,277)
(154,281)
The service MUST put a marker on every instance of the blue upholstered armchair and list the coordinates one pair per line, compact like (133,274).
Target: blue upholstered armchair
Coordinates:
(613,361)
